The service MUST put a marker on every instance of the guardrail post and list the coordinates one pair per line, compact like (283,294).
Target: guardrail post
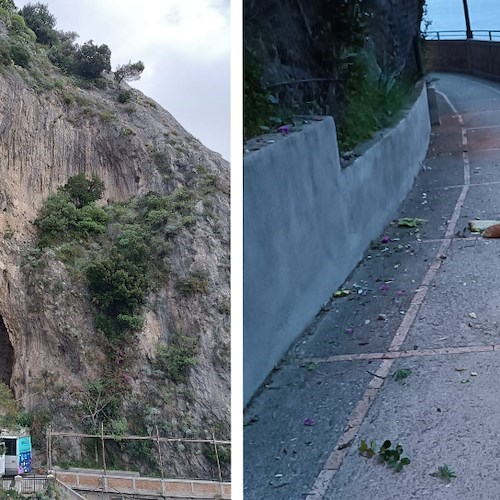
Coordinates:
(467,20)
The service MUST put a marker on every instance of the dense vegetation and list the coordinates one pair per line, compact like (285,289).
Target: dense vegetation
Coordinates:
(116,247)
(33,40)
(324,62)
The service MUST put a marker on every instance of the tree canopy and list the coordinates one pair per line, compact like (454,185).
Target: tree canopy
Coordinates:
(92,60)
(83,191)
(41,21)
(129,72)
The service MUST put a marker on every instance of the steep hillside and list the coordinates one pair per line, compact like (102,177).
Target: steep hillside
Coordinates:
(63,370)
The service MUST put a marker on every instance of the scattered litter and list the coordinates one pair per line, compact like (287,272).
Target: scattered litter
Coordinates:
(278,475)
(382,317)
(473,374)
(492,231)
(410,222)
(460,369)
(308,421)
(367,321)
(402,312)
(465,381)
(478,226)
(473,315)
(341,293)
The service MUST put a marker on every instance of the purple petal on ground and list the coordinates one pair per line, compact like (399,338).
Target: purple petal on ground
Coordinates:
(308,421)
(384,287)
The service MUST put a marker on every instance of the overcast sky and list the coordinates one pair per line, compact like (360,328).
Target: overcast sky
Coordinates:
(184,45)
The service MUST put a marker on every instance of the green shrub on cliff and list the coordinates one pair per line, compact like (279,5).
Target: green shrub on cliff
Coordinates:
(71,213)
(117,248)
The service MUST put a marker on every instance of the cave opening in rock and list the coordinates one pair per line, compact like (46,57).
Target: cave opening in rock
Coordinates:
(6,354)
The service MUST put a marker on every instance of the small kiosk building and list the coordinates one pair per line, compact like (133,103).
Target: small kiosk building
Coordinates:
(18,451)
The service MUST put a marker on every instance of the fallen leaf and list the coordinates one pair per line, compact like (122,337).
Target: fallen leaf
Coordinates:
(410,222)
(252,420)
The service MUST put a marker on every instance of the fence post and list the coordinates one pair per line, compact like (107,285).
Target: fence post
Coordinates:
(18,483)
(51,483)
(218,464)
(49,448)
(159,451)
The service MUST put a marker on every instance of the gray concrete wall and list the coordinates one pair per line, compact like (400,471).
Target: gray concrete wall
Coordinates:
(307,223)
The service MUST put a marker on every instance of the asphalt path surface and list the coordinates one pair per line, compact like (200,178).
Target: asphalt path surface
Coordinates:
(412,354)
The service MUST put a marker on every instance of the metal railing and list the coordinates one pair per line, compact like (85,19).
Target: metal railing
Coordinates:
(491,35)
(29,483)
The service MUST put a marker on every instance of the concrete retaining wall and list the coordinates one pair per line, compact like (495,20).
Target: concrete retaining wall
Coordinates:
(477,57)
(307,223)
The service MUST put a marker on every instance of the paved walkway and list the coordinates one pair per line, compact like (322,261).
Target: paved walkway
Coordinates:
(427,304)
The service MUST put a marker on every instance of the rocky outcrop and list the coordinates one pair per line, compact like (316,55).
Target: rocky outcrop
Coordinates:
(47,136)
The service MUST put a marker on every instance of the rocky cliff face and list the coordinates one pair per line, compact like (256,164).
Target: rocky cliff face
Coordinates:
(304,49)
(50,349)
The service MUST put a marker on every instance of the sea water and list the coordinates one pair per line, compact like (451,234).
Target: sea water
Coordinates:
(449,14)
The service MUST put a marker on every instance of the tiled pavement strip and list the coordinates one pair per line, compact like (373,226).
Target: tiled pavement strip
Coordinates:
(334,461)
(322,487)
